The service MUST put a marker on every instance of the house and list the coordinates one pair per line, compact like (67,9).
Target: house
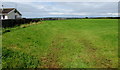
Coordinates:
(10,13)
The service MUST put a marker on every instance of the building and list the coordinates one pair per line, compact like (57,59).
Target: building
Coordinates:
(10,13)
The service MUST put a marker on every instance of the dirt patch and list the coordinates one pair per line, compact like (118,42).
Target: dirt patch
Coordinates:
(26,25)
(88,45)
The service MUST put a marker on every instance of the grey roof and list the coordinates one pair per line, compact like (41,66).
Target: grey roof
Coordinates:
(7,10)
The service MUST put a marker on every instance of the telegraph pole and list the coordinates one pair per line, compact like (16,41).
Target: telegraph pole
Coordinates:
(1,12)
(2,7)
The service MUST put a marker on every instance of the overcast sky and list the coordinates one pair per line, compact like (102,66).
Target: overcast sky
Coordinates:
(36,9)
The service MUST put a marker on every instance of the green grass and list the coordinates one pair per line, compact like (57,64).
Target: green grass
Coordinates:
(76,43)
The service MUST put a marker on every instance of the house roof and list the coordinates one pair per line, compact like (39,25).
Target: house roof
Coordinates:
(7,10)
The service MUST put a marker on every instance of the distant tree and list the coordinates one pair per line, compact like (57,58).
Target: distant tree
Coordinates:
(86,17)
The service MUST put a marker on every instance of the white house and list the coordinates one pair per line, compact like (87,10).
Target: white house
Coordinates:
(10,13)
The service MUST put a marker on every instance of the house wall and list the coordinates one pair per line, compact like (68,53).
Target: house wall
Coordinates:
(1,16)
(6,17)
(18,16)
(11,15)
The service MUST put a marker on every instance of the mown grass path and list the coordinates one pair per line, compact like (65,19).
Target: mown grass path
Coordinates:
(52,58)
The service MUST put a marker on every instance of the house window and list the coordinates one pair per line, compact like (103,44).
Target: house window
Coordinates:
(3,16)
(15,16)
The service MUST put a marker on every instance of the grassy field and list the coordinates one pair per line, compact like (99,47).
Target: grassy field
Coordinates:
(75,43)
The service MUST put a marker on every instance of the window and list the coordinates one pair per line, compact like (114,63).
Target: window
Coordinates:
(3,16)
(15,16)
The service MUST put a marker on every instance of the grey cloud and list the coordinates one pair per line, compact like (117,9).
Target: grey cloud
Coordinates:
(39,9)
